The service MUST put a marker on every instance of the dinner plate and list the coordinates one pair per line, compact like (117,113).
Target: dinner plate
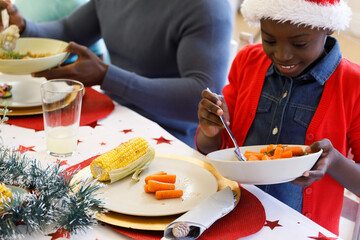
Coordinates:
(128,197)
(15,189)
(26,111)
(25,91)
(158,223)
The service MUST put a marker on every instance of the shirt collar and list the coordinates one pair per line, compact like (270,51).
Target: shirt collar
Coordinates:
(324,68)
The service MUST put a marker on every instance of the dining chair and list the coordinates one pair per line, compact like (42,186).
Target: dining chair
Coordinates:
(233,51)
(356,232)
(350,212)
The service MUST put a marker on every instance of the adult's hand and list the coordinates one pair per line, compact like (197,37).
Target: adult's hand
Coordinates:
(3,4)
(88,68)
(15,17)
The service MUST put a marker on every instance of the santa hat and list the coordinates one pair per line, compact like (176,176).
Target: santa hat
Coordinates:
(325,14)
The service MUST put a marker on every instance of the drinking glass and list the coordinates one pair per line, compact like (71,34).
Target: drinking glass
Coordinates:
(61,104)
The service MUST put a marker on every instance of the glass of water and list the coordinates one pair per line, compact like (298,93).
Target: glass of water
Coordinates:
(61,105)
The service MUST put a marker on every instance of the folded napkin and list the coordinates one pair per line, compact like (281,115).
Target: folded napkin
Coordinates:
(202,216)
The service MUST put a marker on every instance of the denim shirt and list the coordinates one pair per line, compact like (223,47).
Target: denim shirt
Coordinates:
(285,110)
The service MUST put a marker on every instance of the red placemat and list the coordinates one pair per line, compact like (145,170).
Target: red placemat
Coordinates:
(247,218)
(95,106)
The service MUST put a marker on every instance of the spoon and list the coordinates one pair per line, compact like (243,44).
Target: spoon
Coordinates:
(237,151)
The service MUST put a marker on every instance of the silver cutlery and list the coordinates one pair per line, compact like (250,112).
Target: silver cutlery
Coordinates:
(237,151)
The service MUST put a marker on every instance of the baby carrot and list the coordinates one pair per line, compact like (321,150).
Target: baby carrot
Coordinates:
(265,157)
(297,151)
(154,186)
(146,188)
(263,150)
(161,178)
(278,151)
(286,154)
(164,194)
(248,153)
(252,158)
(270,147)
(159,173)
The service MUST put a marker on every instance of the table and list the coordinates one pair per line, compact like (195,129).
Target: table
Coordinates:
(282,222)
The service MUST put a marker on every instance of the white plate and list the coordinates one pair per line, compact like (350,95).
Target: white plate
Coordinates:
(25,91)
(15,189)
(261,172)
(127,197)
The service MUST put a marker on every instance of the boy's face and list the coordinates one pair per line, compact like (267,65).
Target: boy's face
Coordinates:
(292,49)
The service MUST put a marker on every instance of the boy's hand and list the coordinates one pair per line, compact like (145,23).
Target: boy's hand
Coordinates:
(88,68)
(327,158)
(210,108)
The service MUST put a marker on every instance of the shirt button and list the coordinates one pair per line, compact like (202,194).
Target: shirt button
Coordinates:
(284,94)
(275,131)
(308,215)
(310,136)
(308,190)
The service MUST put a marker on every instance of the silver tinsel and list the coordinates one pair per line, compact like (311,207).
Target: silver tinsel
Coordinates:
(52,202)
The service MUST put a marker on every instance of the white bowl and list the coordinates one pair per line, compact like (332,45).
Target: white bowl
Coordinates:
(261,172)
(36,46)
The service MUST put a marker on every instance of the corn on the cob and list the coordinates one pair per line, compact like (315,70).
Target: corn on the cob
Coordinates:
(5,195)
(131,156)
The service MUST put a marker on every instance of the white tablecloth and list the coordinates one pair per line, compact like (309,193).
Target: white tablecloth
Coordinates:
(282,222)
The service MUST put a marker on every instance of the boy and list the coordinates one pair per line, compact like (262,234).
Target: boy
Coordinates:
(294,88)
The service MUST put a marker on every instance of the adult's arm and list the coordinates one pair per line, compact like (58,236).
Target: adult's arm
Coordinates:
(203,58)
(81,26)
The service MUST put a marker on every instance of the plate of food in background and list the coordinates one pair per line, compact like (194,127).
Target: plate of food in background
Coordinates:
(20,91)
(33,55)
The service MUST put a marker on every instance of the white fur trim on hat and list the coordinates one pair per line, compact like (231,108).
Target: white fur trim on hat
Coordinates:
(331,16)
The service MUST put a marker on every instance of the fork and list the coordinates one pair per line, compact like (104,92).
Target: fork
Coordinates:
(237,151)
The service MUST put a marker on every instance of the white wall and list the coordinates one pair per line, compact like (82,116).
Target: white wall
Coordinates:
(355,21)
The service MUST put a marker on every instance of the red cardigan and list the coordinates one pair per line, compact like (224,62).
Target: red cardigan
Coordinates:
(336,118)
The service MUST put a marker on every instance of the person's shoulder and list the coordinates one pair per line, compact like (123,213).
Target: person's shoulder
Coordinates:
(252,50)
(347,74)
(251,53)
(349,67)
(255,47)
(211,6)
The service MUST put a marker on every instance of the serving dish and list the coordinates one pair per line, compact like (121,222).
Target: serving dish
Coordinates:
(263,171)
(35,46)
